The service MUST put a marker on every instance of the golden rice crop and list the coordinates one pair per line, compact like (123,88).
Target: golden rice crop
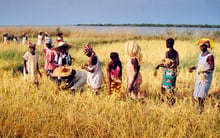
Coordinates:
(46,111)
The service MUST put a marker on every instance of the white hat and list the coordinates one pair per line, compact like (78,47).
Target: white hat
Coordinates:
(48,40)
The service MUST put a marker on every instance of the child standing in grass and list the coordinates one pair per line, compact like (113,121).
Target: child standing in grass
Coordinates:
(134,77)
(31,68)
(114,73)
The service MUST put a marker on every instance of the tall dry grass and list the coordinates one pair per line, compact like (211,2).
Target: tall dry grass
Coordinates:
(45,111)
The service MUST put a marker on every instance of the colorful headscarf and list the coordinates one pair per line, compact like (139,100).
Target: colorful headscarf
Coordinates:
(133,50)
(87,49)
(203,41)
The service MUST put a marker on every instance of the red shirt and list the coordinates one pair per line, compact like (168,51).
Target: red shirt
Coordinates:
(49,57)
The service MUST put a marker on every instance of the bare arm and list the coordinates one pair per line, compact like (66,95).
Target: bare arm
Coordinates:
(160,65)
(211,62)
(120,73)
(108,69)
(177,59)
(136,66)
(192,68)
(93,60)
(38,70)
(25,66)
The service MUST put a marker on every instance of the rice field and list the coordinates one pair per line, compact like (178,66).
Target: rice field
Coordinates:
(46,111)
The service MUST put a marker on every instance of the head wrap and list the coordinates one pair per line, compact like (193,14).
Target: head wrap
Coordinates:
(133,50)
(48,40)
(205,41)
(87,49)
(31,45)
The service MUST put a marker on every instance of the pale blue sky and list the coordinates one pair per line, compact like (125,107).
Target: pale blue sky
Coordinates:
(67,12)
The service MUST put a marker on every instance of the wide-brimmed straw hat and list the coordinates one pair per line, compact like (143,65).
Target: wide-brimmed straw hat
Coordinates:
(62,45)
(205,41)
(62,71)
(46,34)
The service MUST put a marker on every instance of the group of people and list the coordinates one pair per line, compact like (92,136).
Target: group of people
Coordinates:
(58,61)
(41,38)
(6,38)
(204,70)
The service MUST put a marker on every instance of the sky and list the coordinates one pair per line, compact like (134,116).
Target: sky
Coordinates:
(70,12)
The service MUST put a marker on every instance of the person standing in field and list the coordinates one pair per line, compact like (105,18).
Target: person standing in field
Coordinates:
(170,64)
(59,35)
(24,38)
(46,35)
(62,57)
(40,38)
(95,76)
(204,70)
(134,77)
(31,68)
(114,73)
(5,38)
(49,64)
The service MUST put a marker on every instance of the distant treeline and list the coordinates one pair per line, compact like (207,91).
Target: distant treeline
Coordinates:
(155,25)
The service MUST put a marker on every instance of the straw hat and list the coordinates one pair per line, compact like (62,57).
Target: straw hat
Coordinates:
(46,34)
(62,71)
(205,41)
(62,45)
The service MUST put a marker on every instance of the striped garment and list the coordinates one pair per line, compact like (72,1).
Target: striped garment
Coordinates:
(169,79)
